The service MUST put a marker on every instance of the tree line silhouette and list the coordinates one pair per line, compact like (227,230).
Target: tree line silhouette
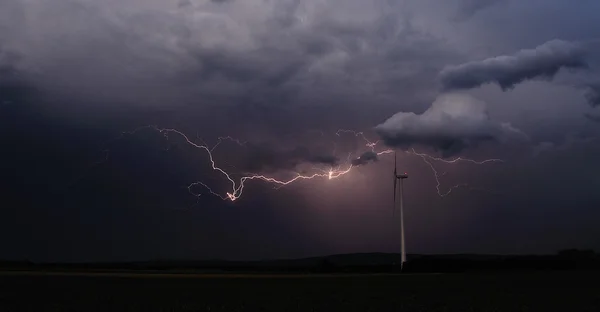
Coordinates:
(570,259)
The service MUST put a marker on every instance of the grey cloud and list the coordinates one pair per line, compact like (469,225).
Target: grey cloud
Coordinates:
(567,142)
(592,94)
(542,147)
(265,158)
(184,4)
(8,64)
(245,52)
(324,159)
(592,117)
(468,8)
(365,158)
(12,87)
(507,71)
(452,123)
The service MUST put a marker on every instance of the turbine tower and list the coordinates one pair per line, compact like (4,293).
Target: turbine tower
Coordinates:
(400,177)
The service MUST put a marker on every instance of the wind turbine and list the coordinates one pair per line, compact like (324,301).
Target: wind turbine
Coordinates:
(400,177)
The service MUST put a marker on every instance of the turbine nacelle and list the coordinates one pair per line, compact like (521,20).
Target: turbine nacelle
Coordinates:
(402,176)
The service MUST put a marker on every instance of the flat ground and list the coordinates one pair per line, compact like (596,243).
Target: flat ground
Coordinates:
(536,291)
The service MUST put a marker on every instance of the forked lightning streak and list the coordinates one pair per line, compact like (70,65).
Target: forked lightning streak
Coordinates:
(237,187)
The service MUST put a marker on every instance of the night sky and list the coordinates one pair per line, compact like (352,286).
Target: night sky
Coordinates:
(512,80)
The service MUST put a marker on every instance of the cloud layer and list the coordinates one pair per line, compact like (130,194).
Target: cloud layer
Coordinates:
(592,94)
(365,158)
(452,123)
(468,8)
(292,52)
(264,158)
(507,71)
(592,117)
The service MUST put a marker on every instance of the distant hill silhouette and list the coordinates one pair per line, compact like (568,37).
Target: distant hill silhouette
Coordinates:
(571,259)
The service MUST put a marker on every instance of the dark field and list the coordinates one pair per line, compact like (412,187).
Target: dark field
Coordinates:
(542,291)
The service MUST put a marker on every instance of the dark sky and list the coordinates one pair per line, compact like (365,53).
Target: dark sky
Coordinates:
(512,80)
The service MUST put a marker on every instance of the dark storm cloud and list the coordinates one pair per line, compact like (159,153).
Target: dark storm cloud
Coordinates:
(8,65)
(563,144)
(263,158)
(592,94)
(184,4)
(452,123)
(275,67)
(507,71)
(7,59)
(468,8)
(592,117)
(365,158)
(243,53)
(12,87)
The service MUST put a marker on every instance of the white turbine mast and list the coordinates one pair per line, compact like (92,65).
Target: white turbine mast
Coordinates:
(400,177)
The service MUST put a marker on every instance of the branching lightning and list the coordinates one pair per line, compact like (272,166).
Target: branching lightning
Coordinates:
(237,185)
(427,159)
(227,138)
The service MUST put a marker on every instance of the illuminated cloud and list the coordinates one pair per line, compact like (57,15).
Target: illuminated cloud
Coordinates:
(452,123)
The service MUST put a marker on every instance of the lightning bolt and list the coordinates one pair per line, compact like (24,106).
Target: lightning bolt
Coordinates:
(237,186)
(368,143)
(428,158)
